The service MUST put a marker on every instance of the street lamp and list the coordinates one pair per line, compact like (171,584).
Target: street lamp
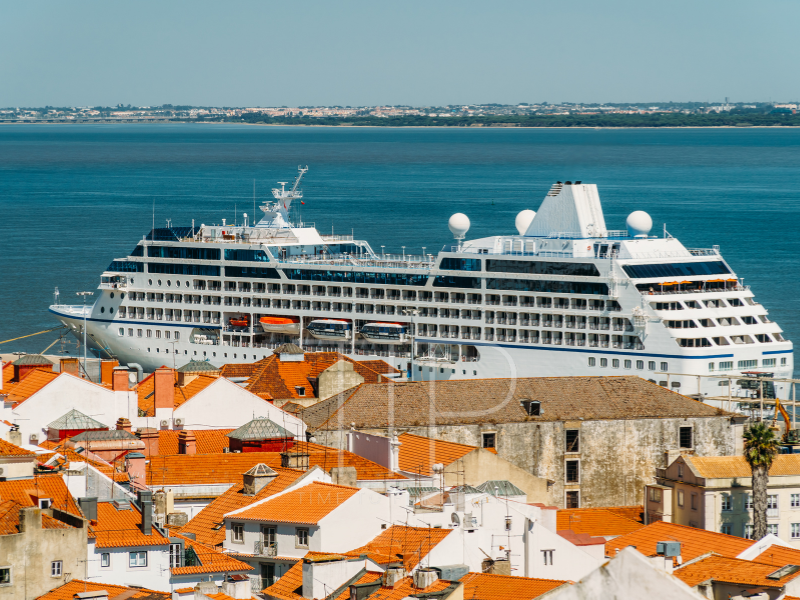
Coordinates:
(84,294)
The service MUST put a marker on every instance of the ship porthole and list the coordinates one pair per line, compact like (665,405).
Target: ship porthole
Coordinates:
(169,283)
(112,294)
(102,309)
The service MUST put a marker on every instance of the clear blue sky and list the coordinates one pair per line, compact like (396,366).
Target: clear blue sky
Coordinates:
(266,53)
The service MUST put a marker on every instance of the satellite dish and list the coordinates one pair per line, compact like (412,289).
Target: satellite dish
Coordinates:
(524,220)
(639,223)
(459,225)
(455,520)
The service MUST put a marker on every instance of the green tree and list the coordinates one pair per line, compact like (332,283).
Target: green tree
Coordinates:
(760,448)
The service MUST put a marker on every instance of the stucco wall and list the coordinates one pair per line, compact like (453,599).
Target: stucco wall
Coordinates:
(31,552)
(337,378)
(481,465)
(618,457)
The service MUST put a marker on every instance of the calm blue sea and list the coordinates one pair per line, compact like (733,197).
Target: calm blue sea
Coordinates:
(72,197)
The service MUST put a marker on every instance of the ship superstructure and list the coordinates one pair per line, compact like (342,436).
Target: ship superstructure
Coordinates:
(562,296)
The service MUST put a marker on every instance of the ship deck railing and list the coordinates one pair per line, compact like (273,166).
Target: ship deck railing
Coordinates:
(658,292)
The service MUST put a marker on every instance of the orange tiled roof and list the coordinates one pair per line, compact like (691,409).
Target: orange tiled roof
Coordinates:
(483,586)
(635,512)
(368,577)
(49,444)
(418,454)
(205,524)
(405,588)
(208,441)
(9,449)
(289,586)
(400,543)
(308,504)
(731,570)
(277,379)
(70,590)
(211,560)
(779,556)
(711,467)
(694,542)
(595,522)
(177,469)
(27,492)
(33,382)
(117,528)
(9,519)
(147,399)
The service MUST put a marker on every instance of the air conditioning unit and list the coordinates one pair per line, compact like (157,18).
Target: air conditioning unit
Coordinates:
(34,437)
(164,423)
(179,422)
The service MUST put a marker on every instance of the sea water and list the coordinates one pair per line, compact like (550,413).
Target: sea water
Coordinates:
(73,197)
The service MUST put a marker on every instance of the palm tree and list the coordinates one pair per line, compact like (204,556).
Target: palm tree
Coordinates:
(760,448)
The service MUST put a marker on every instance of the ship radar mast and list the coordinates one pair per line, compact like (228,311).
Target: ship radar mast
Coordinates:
(276,214)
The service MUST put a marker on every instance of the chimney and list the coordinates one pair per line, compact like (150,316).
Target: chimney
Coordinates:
(106,370)
(294,460)
(30,518)
(71,366)
(123,424)
(15,436)
(119,379)
(187,443)
(164,384)
(394,454)
(500,566)
(257,478)
(237,587)
(150,438)
(146,504)
(424,578)
(88,507)
(392,576)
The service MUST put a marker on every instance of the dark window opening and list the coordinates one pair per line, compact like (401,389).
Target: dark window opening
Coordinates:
(573,440)
(573,500)
(685,437)
(573,471)
(489,440)
(532,407)
(534,267)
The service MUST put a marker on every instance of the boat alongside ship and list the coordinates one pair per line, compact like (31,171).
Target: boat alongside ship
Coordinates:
(562,296)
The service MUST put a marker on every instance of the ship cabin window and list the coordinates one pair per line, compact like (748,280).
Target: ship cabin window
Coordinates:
(692,304)
(763,338)
(640,364)
(735,302)
(716,303)
(783,362)
(592,361)
(667,305)
(749,320)
(721,341)
(627,364)
(603,362)
(651,365)
(149,333)
(694,343)
(615,363)
(664,366)
(707,323)
(681,324)
(543,302)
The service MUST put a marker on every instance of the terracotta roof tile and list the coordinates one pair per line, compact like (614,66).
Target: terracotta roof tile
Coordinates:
(146,387)
(308,504)
(30,384)
(9,519)
(405,588)
(289,586)
(581,539)
(278,379)
(418,454)
(208,441)
(69,591)
(731,570)
(211,560)
(409,544)
(484,586)
(27,492)
(779,556)
(694,542)
(117,528)
(368,577)
(205,524)
(712,467)
(9,449)
(562,398)
(177,469)
(596,522)
(635,512)
(68,456)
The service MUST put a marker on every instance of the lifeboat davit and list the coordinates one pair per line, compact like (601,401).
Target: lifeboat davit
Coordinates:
(289,325)
(243,321)
(385,333)
(330,329)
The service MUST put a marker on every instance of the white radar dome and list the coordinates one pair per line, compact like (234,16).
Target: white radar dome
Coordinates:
(524,220)
(639,223)
(459,225)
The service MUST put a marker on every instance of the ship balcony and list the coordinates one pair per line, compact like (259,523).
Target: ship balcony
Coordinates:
(113,286)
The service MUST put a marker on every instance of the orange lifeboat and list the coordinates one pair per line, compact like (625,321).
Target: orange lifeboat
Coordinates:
(243,321)
(290,325)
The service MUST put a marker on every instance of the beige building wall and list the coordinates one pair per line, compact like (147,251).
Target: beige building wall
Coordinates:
(30,554)
(337,378)
(481,465)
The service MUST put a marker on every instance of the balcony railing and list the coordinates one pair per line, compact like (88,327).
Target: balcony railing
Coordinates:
(265,549)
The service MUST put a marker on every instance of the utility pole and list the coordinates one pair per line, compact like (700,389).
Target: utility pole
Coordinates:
(84,294)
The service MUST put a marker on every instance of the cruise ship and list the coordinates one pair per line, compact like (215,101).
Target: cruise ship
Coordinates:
(565,295)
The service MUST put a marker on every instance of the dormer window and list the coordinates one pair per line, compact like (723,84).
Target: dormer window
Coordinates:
(301,390)
(45,503)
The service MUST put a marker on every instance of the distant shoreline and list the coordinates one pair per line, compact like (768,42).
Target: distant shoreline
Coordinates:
(388,126)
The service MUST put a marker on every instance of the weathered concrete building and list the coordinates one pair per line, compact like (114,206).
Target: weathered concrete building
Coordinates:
(599,440)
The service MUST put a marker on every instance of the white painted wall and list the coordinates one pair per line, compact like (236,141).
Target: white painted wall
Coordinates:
(154,576)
